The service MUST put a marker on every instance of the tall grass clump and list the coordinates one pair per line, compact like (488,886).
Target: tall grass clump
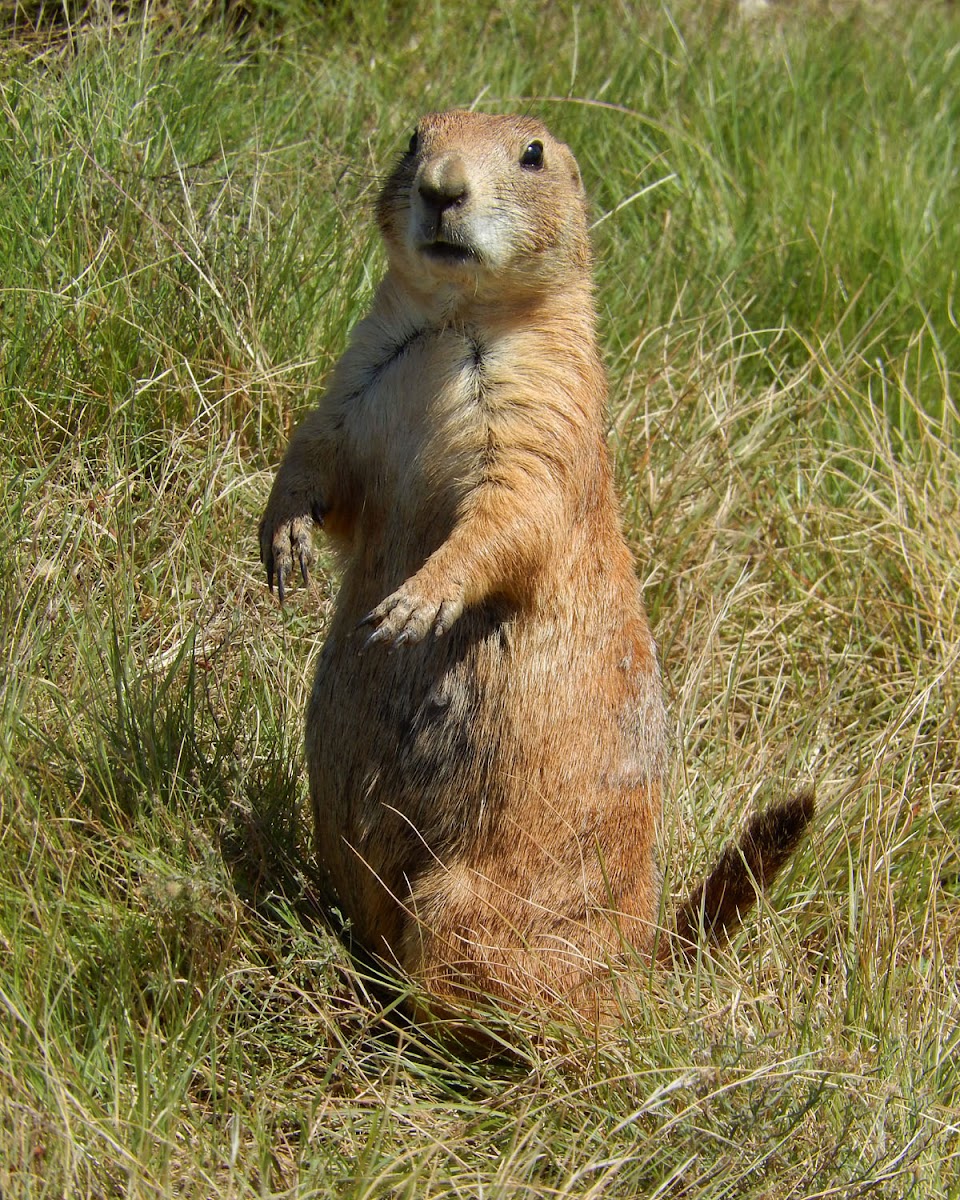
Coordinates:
(185,242)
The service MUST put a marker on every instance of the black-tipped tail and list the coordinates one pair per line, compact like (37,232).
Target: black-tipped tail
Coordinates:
(746,867)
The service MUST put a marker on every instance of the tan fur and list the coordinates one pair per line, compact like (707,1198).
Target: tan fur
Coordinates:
(486,750)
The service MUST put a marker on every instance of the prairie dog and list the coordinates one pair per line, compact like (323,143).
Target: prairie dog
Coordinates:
(486,732)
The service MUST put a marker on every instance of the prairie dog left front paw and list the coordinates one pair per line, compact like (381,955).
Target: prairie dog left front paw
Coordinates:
(409,614)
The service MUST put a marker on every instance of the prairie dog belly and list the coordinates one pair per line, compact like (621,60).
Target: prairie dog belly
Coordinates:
(431,759)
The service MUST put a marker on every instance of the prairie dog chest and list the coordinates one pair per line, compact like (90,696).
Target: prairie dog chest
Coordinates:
(415,410)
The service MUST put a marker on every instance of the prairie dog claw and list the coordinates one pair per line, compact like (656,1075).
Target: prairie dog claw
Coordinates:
(284,546)
(406,617)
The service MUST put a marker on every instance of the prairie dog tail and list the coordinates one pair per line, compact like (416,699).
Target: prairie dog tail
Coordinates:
(746,867)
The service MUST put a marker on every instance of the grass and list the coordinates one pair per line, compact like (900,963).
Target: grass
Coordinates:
(184,243)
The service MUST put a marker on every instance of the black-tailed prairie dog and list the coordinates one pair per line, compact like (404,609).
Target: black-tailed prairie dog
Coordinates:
(486,733)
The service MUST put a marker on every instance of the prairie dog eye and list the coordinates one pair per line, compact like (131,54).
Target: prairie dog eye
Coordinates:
(532,157)
(414,144)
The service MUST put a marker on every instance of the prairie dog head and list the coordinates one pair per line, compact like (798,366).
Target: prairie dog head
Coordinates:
(485,204)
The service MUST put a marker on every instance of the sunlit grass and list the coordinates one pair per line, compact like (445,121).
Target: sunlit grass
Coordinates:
(185,241)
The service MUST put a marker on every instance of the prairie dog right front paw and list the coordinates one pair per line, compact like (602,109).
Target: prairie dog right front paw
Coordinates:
(284,543)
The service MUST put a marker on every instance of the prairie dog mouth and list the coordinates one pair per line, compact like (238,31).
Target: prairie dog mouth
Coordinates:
(450,252)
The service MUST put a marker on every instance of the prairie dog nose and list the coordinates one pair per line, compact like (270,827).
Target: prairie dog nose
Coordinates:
(443,182)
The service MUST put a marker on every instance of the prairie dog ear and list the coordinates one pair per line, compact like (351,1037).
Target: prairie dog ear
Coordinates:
(574,169)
